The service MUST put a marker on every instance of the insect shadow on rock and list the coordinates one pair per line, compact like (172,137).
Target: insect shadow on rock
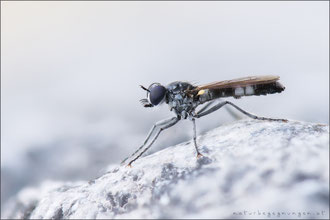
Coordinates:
(183,98)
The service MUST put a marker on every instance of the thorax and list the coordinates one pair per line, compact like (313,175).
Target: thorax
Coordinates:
(180,102)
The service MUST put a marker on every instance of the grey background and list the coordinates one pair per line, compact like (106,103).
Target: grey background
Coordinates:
(70,73)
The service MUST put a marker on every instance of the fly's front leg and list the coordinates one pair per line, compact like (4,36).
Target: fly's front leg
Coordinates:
(218,106)
(160,123)
(163,125)
(195,142)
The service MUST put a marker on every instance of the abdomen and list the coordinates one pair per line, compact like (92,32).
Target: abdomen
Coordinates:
(239,91)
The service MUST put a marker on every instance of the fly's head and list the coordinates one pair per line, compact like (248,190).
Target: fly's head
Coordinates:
(155,95)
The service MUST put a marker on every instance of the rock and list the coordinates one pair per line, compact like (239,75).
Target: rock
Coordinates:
(250,169)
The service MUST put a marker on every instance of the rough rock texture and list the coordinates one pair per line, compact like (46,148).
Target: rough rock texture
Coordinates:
(250,169)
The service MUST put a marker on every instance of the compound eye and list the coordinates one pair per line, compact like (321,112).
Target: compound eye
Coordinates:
(157,93)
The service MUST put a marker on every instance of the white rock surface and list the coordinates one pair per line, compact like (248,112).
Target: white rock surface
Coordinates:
(250,169)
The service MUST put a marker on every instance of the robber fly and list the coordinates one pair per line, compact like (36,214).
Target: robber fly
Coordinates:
(183,98)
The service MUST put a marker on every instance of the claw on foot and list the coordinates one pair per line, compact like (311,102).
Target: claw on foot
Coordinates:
(199,155)
(282,120)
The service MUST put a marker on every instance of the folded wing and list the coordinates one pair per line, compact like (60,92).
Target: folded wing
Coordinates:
(247,86)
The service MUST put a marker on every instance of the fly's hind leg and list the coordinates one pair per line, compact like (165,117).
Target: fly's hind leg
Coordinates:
(218,106)
(254,116)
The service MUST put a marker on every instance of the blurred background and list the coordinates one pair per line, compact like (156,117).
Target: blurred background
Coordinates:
(70,75)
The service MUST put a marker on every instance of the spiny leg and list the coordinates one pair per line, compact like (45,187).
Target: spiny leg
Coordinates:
(218,106)
(159,123)
(170,123)
(197,151)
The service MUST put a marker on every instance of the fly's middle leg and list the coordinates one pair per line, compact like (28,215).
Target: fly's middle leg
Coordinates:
(195,139)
